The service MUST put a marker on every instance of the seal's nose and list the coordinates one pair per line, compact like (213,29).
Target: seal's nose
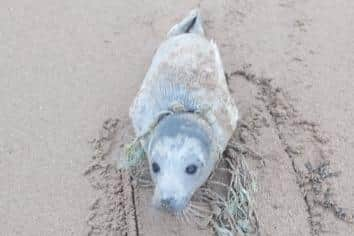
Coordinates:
(167,202)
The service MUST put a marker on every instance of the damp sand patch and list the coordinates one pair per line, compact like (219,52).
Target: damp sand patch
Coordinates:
(306,146)
(113,212)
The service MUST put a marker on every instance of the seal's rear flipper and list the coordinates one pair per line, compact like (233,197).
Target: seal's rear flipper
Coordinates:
(190,24)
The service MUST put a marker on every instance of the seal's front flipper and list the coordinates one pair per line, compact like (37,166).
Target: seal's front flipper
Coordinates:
(190,24)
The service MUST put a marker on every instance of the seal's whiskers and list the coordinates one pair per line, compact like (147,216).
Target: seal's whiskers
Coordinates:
(214,195)
(145,183)
(197,213)
(179,216)
(187,215)
(218,183)
(200,208)
(200,216)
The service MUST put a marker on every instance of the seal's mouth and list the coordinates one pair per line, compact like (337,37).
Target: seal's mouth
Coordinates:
(172,208)
(171,205)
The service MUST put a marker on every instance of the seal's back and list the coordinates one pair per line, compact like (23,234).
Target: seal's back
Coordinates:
(186,70)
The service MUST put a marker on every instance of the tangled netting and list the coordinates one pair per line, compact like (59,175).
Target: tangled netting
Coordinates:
(223,202)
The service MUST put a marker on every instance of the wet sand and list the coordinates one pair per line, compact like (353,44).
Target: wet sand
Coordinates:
(67,66)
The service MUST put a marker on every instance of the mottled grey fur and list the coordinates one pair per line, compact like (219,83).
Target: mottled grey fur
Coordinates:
(186,71)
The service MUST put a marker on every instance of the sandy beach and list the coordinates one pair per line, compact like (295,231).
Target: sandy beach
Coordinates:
(66,67)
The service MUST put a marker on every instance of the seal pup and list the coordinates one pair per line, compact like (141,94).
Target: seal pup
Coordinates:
(183,113)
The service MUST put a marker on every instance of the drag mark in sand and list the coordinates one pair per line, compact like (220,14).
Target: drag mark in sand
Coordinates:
(306,147)
(114,211)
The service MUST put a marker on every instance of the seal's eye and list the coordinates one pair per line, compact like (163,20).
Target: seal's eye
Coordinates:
(155,167)
(191,169)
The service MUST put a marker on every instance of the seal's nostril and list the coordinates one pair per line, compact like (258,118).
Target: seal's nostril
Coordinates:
(166,202)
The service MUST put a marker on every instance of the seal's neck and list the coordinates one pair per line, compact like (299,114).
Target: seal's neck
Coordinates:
(187,124)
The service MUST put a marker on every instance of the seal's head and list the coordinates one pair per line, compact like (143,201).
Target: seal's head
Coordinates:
(181,158)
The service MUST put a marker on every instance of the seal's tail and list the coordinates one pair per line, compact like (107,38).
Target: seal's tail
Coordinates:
(192,23)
